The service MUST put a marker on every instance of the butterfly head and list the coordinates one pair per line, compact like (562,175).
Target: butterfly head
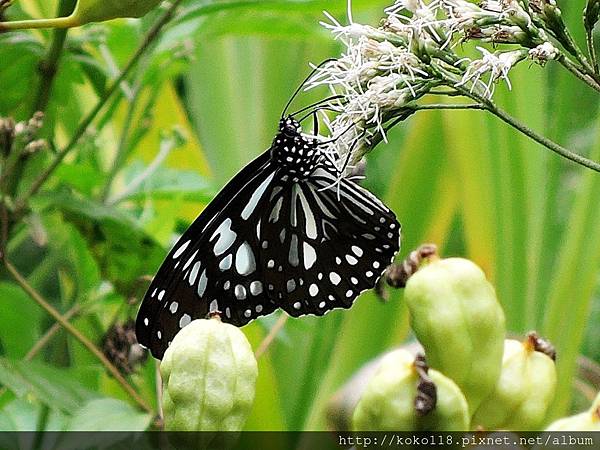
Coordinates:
(289,126)
(293,151)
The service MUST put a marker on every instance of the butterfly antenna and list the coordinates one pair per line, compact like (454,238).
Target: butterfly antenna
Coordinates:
(348,128)
(313,105)
(299,88)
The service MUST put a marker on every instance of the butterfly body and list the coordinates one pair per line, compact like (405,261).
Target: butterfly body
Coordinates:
(286,232)
(294,153)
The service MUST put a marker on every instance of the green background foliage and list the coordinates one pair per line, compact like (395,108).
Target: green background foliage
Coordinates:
(202,102)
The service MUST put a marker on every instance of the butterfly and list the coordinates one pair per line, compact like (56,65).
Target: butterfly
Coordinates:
(286,232)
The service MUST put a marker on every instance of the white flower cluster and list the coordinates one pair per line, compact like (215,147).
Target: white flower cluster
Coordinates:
(386,69)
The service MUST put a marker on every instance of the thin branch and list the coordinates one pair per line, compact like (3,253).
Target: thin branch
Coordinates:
(574,49)
(504,116)
(49,65)
(592,51)
(120,154)
(150,36)
(450,106)
(269,338)
(43,341)
(89,345)
(577,71)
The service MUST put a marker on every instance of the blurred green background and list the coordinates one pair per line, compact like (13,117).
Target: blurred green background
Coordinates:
(199,105)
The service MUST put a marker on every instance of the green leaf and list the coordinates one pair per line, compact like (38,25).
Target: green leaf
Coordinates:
(23,415)
(19,322)
(108,414)
(53,387)
(166,183)
(122,250)
(19,53)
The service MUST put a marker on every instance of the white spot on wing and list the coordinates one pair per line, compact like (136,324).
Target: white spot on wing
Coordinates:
(351,260)
(311,225)
(173,307)
(202,283)
(291,285)
(357,250)
(313,290)
(240,292)
(256,196)
(334,278)
(194,272)
(214,306)
(190,260)
(244,260)
(256,288)
(161,294)
(274,217)
(225,263)
(310,256)
(181,249)
(293,255)
(184,321)
(226,237)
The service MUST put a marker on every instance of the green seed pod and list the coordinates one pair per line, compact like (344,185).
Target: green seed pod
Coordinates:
(458,320)
(388,402)
(586,421)
(523,392)
(209,376)
(99,10)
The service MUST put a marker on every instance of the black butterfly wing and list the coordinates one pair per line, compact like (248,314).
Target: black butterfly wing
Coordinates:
(326,243)
(215,265)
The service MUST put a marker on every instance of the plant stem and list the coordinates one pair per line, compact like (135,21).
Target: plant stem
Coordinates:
(21,281)
(504,116)
(574,49)
(575,70)
(121,148)
(58,22)
(49,65)
(41,343)
(269,338)
(450,106)
(150,36)
(592,52)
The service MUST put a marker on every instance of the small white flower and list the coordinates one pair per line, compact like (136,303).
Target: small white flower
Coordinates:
(497,65)
(543,53)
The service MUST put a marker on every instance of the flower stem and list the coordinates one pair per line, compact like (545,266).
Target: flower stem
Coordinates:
(450,106)
(592,52)
(504,116)
(151,35)
(49,65)
(573,48)
(575,70)
(41,301)
(57,22)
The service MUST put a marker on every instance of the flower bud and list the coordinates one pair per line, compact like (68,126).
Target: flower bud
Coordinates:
(392,399)
(524,389)
(586,421)
(209,375)
(591,13)
(456,317)
(99,10)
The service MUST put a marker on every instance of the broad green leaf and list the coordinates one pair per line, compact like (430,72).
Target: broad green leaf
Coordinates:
(53,387)
(24,415)
(165,183)
(20,323)
(108,414)
(19,53)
